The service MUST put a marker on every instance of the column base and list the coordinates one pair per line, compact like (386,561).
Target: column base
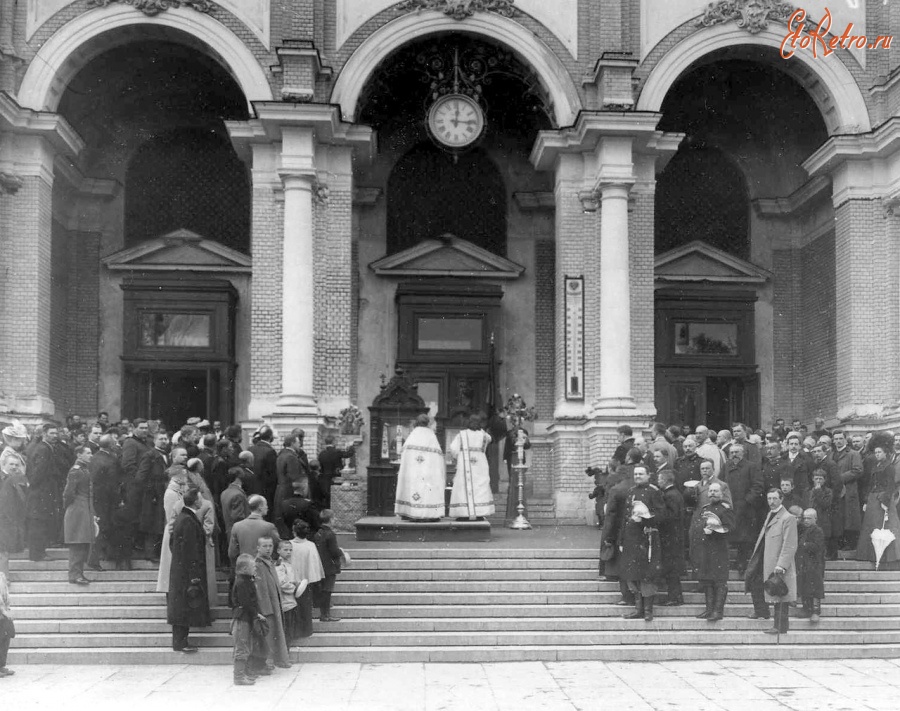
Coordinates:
(302,405)
(612,406)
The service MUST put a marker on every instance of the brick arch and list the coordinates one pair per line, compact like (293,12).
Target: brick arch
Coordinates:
(553,74)
(828,81)
(74,44)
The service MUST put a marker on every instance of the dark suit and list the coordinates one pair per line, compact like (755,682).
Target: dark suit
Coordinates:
(799,471)
(235,507)
(331,461)
(152,480)
(330,553)
(265,473)
(671,537)
(106,475)
(290,468)
(44,507)
(188,600)
(245,536)
(295,508)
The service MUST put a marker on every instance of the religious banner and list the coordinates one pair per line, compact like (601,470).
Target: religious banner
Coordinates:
(574,295)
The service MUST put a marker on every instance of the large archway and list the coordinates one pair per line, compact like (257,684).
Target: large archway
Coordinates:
(72,46)
(360,67)
(732,325)
(827,80)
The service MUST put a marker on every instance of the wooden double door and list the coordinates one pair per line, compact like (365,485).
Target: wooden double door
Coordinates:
(692,397)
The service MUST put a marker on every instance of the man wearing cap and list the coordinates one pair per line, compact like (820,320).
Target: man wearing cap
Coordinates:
(640,545)
(44,510)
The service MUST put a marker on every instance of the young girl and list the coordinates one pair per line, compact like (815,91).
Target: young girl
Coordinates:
(291,588)
(307,566)
(7,628)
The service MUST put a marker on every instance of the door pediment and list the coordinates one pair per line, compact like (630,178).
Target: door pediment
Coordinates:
(178,251)
(447,256)
(701,262)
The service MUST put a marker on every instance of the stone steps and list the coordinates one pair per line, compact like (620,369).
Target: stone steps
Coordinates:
(461,603)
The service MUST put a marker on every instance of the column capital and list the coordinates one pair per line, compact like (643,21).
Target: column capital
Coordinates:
(279,121)
(592,126)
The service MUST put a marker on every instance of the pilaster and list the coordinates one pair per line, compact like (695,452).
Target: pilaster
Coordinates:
(30,141)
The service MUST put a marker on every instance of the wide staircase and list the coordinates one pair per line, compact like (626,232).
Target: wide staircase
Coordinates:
(452,605)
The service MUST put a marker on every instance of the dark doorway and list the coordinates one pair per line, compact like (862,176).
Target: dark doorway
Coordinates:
(174,395)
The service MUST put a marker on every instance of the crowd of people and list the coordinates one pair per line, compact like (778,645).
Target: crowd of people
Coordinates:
(774,506)
(193,502)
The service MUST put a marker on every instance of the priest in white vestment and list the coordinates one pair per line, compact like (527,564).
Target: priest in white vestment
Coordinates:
(471,497)
(422,476)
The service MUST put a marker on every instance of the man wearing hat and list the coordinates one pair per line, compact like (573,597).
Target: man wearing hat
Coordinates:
(640,545)
(13,492)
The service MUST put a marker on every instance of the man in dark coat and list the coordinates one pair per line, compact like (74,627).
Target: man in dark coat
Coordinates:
(331,554)
(617,488)
(687,466)
(626,442)
(45,472)
(264,458)
(106,478)
(188,602)
(134,448)
(744,481)
(810,558)
(152,480)
(850,469)
(290,468)
(671,538)
(331,461)
(78,498)
(639,543)
(709,551)
(821,455)
(796,465)
(235,505)
(298,506)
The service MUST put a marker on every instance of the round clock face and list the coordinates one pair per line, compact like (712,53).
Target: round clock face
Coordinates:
(456,120)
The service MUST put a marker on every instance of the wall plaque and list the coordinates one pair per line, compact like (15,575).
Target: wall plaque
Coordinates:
(574,295)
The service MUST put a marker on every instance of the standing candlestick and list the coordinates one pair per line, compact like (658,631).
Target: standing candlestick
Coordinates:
(520,523)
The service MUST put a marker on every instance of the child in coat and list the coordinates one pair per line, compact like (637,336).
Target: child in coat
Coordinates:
(245,612)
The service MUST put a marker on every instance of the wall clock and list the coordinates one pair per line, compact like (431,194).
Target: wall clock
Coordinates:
(456,120)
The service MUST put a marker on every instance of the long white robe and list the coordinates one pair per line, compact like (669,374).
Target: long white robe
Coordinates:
(422,477)
(471,496)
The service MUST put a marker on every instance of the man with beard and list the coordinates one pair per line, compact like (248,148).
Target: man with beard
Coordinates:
(687,467)
(744,481)
(639,544)
(821,454)
(751,451)
(709,551)
(264,464)
(847,514)
(46,470)
(152,480)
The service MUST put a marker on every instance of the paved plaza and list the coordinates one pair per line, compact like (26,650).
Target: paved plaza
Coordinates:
(853,685)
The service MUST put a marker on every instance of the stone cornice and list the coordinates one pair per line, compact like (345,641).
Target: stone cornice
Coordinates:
(801,198)
(883,142)
(52,126)
(589,128)
(272,117)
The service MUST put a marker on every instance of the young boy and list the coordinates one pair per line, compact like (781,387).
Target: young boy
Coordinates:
(330,553)
(245,612)
(790,498)
(291,588)
(269,597)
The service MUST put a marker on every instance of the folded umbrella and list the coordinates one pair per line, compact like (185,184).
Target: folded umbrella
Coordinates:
(881,539)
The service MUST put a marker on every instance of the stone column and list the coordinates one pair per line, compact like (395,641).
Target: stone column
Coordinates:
(298,295)
(615,301)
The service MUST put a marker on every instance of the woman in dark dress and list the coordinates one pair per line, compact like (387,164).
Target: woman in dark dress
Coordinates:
(881,512)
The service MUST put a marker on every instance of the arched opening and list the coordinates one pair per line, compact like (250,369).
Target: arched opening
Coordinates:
(151,113)
(450,312)
(702,195)
(430,194)
(749,127)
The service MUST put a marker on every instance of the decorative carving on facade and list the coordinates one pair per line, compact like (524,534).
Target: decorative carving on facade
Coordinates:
(10,183)
(401,392)
(322,194)
(751,15)
(154,7)
(461,9)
